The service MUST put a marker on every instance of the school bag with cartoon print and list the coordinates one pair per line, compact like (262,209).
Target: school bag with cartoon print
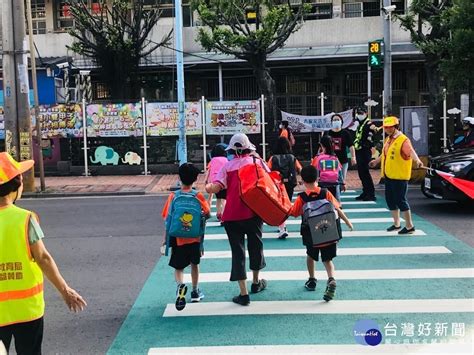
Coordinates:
(320,225)
(185,218)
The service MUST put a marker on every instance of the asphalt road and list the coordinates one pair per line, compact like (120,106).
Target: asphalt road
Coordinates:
(107,247)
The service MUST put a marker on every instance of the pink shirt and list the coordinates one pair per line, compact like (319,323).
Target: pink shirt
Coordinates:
(228,178)
(215,165)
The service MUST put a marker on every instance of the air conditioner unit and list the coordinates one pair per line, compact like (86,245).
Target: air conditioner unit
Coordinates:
(353,9)
(61,95)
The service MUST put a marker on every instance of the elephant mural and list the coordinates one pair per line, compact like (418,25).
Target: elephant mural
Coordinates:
(132,158)
(105,155)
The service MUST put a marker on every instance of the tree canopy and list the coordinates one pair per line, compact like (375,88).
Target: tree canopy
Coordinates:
(117,38)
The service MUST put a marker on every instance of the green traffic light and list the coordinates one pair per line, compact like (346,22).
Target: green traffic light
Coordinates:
(375,60)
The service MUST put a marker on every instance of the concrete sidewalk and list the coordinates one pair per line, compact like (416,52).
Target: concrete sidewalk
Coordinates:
(137,184)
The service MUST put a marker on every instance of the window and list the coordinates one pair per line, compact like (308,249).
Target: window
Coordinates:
(167,9)
(38,14)
(63,15)
(400,4)
(361,8)
(319,11)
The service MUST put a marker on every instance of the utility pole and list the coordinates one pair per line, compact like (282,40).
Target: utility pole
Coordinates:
(16,87)
(387,10)
(35,94)
(182,149)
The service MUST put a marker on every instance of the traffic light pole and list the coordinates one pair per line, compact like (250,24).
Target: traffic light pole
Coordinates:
(369,89)
(387,69)
(16,86)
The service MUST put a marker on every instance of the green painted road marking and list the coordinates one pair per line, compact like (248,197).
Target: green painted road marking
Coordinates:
(145,327)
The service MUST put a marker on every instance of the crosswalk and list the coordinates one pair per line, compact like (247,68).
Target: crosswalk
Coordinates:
(417,289)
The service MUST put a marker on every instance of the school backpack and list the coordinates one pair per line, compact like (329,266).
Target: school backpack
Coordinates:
(320,225)
(264,193)
(285,164)
(328,167)
(185,218)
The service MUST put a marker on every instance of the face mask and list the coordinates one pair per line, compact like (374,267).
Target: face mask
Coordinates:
(281,126)
(360,117)
(336,124)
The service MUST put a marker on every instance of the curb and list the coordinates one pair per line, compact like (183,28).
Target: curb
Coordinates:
(84,194)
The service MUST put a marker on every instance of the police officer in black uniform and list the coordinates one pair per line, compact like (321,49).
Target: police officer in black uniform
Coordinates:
(363,144)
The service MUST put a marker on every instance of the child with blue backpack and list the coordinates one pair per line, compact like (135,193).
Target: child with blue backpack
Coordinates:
(185,213)
(320,228)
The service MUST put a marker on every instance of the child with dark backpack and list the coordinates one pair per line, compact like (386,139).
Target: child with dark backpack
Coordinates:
(330,174)
(320,228)
(288,166)
(185,213)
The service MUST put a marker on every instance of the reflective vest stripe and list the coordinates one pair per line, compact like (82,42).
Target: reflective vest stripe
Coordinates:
(19,294)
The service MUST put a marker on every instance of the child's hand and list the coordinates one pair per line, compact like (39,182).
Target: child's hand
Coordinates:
(163,249)
(351,227)
(343,187)
(202,252)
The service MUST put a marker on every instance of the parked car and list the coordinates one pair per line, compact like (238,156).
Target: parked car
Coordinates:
(459,163)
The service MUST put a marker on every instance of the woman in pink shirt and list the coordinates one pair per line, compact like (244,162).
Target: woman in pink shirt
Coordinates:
(219,159)
(239,220)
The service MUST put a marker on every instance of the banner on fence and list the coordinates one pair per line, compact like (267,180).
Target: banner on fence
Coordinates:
(163,118)
(230,117)
(306,124)
(114,120)
(63,121)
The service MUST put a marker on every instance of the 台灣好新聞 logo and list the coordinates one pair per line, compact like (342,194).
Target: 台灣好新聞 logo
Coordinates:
(367,332)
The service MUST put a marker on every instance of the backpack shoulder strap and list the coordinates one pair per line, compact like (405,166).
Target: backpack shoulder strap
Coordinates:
(323,193)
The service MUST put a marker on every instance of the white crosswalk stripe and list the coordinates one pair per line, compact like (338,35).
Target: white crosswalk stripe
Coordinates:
(341,251)
(381,349)
(353,220)
(380,274)
(320,307)
(345,234)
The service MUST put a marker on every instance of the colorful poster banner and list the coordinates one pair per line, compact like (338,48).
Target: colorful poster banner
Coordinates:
(63,121)
(2,123)
(230,117)
(306,124)
(114,120)
(162,118)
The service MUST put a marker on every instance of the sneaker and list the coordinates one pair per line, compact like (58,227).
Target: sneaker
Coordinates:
(393,227)
(283,234)
(196,295)
(310,285)
(407,231)
(360,197)
(242,300)
(330,290)
(181,297)
(256,288)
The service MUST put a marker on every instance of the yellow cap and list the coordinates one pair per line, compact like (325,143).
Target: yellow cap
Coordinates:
(390,121)
(9,167)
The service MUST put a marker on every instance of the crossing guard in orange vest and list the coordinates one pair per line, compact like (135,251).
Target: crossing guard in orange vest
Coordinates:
(23,260)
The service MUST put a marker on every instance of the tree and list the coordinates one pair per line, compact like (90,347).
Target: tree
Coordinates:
(424,21)
(116,37)
(250,30)
(458,66)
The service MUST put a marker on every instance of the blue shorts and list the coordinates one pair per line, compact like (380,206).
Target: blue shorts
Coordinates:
(396,194)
